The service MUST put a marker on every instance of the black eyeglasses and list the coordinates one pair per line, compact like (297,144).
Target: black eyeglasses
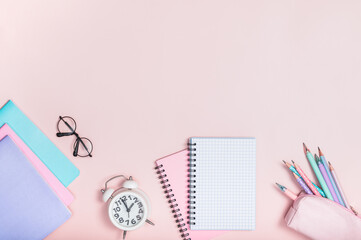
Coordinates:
(83,147)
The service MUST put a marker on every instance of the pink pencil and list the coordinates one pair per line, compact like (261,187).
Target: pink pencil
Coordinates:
(307,181)
(289,194)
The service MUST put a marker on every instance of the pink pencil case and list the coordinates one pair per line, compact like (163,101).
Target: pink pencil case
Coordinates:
(320,218)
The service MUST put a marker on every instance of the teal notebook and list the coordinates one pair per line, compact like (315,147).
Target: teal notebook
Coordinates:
(36,140)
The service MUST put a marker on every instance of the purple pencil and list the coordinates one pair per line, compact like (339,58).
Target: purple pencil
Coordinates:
(327,179)
(303,184)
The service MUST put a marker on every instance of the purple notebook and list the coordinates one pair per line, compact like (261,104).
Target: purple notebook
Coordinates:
(29,209)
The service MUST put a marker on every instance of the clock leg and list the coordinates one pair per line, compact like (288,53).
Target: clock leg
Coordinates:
(124,234)
(149,222)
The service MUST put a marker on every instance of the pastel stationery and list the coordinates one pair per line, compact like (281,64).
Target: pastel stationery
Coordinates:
(287,192)
(35,139)
(317,172)
(302,184)
(327,179)
(222,183)
(53,182)
(173,171)
(306,180)
(324,162)
(293,169)
(29,209)
(334,175)
(322,219)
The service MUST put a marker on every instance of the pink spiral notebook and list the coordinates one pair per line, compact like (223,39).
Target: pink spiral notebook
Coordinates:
(173,173)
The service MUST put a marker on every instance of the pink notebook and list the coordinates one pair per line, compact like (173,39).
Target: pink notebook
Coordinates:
(173,171)
(64,195)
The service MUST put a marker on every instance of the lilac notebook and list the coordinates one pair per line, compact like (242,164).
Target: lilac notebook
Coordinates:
(29,209)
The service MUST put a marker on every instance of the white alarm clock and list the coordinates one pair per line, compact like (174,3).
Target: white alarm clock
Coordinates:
(128,207)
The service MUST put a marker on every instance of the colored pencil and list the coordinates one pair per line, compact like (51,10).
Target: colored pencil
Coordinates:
(316,170)
(288,193)
(293,169)
(323,159)
(333,172)
(307,181)
(302,184)
(327,179)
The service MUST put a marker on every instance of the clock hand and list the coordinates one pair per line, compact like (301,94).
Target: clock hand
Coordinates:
(131,206)
(125,205)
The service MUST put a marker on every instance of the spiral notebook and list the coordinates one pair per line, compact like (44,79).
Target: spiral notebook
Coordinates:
(222,183)
(173,175)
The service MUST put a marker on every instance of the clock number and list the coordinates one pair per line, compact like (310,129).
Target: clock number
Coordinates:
(119,203)
(140,211)
(127,222)
(116,215)
(117,209)
(140,204)
(124,198)
(121,220)
(136,199)
(138,217)
(130,197)
(133,221)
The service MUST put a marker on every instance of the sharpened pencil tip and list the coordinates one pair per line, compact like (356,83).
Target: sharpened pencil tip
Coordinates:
(281,187)
(317,158)
(319,152)
(292,161)
(330,166)
(354,211)
(305,149)
(284,161)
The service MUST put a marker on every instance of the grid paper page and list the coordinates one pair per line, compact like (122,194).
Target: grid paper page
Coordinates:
(225,187)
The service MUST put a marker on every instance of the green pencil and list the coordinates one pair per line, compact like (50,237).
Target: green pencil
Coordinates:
(316,170)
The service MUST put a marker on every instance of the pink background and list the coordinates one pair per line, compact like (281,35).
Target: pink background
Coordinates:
(140,77)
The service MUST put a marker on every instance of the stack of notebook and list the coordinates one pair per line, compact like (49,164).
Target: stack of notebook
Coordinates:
(211,186)
(34,175)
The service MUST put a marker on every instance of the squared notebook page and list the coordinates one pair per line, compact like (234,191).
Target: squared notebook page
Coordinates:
(224,170)
(173,171)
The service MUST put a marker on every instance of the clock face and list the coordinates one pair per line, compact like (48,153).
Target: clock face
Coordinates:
(128,210)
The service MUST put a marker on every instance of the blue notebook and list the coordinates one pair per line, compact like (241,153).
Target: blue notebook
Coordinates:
(47,152)
(29,209)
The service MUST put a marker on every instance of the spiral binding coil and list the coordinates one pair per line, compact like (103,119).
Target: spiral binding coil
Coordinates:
(172,202)
(191,183)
